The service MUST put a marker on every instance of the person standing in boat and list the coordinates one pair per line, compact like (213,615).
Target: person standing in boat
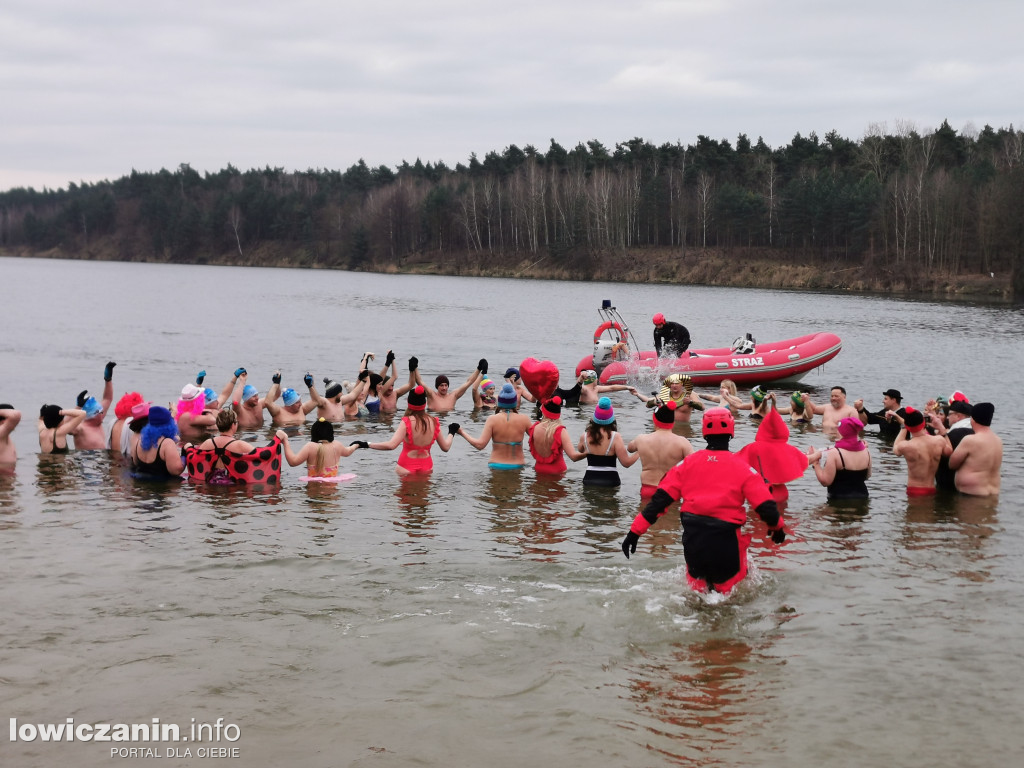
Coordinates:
(670,336)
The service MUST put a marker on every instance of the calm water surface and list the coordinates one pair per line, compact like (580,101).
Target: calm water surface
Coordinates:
(481,618)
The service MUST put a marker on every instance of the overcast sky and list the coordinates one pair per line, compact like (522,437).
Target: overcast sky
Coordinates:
(90,89)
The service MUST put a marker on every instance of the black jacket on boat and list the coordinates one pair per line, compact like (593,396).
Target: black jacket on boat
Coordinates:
(675,338)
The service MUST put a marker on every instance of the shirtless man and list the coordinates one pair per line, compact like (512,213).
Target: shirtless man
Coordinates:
(835,410)
(388,394)
(659,450)
(591,391)
(9,419)
(90,435)
(331,405)
(443,398)
(247,403)
(293,413)
(979,457)
(679,391)
(921,450)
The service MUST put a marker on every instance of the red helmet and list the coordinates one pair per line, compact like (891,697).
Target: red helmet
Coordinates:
(718,421)
(658,319)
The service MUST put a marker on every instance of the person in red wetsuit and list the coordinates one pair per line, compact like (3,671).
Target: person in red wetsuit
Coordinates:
(714,485)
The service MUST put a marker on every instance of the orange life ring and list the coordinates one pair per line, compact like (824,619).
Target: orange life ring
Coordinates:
(608,325)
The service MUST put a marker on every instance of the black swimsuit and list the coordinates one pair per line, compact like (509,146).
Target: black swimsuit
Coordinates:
(848,483)
(57,448)
(157,468)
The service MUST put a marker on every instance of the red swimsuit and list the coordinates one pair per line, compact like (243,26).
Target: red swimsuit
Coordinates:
(413,463)
(553,463)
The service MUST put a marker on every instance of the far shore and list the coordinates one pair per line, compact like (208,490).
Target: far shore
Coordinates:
(737,268)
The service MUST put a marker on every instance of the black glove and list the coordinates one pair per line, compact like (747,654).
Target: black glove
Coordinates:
(360,444)
(276,378)
(239,372)
(453,428)
(82,397)
(108,371)
(629,544)
(778,534)
(308,378)
(482,366)
(390,358)
(364,374)
(199,377)
(414,363)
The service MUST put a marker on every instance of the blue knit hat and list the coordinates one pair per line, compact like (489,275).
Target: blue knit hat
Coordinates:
(604,414)
(508,398)
(209,395)
(249,391)
(290,396)
(92,408)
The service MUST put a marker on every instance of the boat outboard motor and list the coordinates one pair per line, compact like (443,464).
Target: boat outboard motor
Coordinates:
(744,345)
(603,353)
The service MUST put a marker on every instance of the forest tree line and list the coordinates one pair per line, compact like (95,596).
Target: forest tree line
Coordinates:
(901,200)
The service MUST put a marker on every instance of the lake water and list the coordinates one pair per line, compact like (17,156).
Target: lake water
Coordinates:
(481,618)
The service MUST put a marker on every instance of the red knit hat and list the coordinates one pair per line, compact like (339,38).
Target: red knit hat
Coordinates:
(418,399)
(552,409)
(914,420)
(665,416)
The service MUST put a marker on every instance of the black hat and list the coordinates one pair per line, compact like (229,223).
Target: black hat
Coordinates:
(894,394)
(982,413)
(960,406)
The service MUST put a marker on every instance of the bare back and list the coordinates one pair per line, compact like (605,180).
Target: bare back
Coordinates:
(923,453)
(659,452)
(977,461)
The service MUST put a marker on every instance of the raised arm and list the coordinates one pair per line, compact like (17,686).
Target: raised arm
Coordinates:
(362,384)
(472,379)
(239,386)
(9,419)
(314,397)
(108,386)
(66,427)
(272,394)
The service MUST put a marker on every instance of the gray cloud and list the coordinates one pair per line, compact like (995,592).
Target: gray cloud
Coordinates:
(91,91)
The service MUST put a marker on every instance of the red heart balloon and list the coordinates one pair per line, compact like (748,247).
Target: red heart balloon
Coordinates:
(540,377)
